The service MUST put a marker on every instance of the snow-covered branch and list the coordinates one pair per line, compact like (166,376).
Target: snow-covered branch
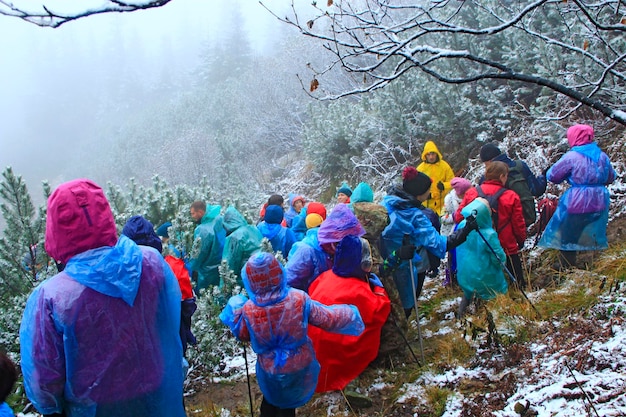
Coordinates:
(47,15)
(575,49)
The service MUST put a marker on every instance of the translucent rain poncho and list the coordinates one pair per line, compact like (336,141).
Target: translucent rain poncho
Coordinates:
(275,319)
(581,217)
(101,338)
(242,240)
(306,261)
(211,233)
(479,269)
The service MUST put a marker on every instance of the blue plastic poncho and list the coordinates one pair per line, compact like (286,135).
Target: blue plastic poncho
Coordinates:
(298,225)
(406,217)
(307,260)
(275,320)
(479,269)
(281,238)
(581,217)
(211,233)
(242,240)
(5,410)
(102,339)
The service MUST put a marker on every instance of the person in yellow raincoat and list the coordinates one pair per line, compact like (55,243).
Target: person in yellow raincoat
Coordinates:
(439,172)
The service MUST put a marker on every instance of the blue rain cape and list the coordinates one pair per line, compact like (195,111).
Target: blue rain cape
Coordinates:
(580,220)
(281,238)
(275,320)
(479,270)
(102,338)
(307,260)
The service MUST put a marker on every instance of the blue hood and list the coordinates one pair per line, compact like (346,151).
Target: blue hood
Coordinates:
(114,271)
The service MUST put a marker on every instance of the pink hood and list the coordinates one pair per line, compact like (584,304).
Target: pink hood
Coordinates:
(580,135)
(79,218)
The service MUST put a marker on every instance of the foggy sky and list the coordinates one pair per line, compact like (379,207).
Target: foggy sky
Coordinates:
(54,68)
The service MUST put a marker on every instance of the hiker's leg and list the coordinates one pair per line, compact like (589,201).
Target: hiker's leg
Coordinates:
(514,265)
(463,306)
(269,410)
(567,259)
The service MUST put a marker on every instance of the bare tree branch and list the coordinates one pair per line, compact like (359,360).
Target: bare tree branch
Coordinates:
(49,18)
(576,49)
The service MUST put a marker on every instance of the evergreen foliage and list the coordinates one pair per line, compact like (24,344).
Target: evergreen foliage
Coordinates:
(23,260)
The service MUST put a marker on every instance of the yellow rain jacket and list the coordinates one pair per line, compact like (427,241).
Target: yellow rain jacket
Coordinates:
(439,171)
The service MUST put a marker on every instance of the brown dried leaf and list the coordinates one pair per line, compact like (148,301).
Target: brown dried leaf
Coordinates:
(585,45)
(314,84)
(309,24)
(623,21)
(330,3)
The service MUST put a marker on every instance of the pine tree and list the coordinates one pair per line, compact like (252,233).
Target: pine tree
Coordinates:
(23,260)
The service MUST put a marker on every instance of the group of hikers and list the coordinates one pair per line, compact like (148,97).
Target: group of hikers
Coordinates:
(107,335)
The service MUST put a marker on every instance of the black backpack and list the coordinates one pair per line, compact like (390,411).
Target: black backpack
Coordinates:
(517,183)
(493,204)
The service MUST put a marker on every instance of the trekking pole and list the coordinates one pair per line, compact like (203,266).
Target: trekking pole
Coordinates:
(245,359)
(407,240)
(404,338)
(503,265)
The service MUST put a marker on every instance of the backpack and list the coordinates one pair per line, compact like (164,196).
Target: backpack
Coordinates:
(547,207)
(493,204)
(517,183)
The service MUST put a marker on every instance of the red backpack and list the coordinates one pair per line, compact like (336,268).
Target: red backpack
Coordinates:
(547,207)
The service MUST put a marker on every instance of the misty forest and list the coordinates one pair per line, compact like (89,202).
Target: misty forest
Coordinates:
(337,91)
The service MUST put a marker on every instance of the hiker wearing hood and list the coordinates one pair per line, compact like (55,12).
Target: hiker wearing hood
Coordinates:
(580,220)
(343,358)
(275,320)
(296,204)
(313,255)
(410,228)
(242,240)
(439,172)
(209,237)
(101,337)
(281,238)
(479,268)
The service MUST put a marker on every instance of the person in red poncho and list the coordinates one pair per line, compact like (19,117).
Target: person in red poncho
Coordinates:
(343,358)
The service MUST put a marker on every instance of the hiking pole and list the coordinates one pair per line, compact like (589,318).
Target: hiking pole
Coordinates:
(404,338)
(503,265)
(407,240)
(245,359)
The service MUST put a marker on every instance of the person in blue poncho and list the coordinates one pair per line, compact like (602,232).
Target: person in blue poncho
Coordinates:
(580,220)
(8,376)
(479,268)
(275,320)
(101,338)
(210,236)
(407,221)
(281,237)
(313,255)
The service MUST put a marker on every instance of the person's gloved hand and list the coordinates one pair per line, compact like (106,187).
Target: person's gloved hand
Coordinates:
(406,251)
(471,223)
(375,281)
(440,186)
